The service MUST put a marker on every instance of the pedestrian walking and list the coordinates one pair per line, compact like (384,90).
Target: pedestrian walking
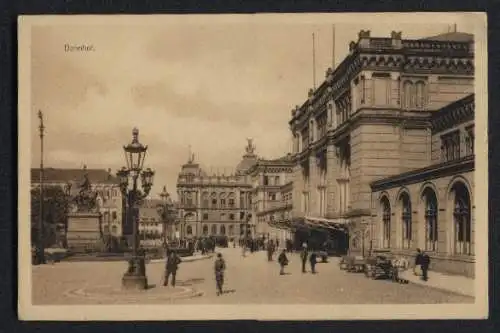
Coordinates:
(417,270)
(312,261)
(219,268)
(303,256)
(425,266)
(283,261)
(171,267)
(270,250)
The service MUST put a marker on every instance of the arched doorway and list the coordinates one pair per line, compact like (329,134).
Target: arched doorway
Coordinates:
(406,221)
(189,230)
(222,230)
(386,222)
(431,219)
(214,229)
(461,219)
(205,230)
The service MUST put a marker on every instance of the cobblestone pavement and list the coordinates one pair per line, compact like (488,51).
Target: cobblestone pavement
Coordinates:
(250,280)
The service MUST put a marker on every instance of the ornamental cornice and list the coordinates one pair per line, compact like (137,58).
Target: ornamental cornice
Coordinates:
(454,114)
(465,164)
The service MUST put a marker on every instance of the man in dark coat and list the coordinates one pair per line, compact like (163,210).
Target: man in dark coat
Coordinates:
(303,256)
(283,261)
(312,261)
(418,261)
(172,265)
(270,250)
(219,268)
(425,266)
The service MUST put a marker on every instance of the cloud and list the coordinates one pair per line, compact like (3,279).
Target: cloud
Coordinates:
(208,86)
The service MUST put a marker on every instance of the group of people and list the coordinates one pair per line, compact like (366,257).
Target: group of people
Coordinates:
(304,257)
(172,265)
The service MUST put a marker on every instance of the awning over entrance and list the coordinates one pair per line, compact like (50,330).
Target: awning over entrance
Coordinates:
(335,224)
(312,222)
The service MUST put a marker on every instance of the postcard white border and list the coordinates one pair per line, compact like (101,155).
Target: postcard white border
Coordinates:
(28,311)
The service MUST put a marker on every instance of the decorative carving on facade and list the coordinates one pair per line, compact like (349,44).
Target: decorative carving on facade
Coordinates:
(454,114)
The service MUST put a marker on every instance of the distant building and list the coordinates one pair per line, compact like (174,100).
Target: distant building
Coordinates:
(272,196)
(150,226)
(102,181)
(217,204)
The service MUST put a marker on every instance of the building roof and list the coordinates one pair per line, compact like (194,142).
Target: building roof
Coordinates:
(452,37)
(53,175)
(149,213)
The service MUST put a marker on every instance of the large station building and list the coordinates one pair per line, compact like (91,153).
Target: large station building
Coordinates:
(382,158)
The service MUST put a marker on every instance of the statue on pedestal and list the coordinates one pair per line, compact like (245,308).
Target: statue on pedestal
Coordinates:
(86,199)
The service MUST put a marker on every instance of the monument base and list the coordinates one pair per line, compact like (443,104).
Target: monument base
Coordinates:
(134,282)
(84,231)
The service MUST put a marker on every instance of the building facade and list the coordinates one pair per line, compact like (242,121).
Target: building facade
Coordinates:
(151,224)
(374,117)
(272,196)
(103,182)
(217,204)
(432,208)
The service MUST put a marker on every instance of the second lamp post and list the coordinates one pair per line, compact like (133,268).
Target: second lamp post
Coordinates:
(135,153)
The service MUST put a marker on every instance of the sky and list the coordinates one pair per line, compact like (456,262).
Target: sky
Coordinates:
(208,84)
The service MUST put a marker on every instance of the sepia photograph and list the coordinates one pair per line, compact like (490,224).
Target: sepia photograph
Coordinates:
(266,166)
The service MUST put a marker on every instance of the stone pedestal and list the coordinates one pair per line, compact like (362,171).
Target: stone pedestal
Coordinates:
(135,277)
(84,231)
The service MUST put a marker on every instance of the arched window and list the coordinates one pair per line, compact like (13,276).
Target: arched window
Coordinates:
(205,230)
(462,220)
(222,200)
(406,221)
(231,200)
(205,200)
(222,230)
(214,229)
(407,95)
(189,199)
(231,230)
(214,200)
(420,94)
(189,230)
(386,222)
(431,220)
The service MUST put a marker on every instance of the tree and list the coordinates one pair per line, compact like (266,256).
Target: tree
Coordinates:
(55,212)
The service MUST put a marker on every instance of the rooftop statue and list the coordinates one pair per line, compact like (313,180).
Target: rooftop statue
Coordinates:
(250,148)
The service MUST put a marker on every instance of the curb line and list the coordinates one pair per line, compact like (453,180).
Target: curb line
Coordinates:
(457,292)
(182,260)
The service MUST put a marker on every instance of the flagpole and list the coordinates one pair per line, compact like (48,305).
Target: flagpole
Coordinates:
(314,61)
(333,47)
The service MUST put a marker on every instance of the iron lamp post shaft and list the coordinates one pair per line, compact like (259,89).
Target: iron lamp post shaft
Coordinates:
(41,245)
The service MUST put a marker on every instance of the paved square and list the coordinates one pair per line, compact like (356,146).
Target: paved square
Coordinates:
(251,280)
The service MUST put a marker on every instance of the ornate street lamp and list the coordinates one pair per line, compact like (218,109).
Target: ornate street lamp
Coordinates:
(135,153)
(40,249)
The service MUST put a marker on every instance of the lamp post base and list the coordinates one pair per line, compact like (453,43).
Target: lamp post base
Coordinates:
(134,282)
(135,277)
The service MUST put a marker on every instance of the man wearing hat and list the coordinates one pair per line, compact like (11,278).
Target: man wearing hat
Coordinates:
(219,268)
(303,256)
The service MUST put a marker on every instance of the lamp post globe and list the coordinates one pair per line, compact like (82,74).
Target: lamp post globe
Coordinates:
(135,154)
